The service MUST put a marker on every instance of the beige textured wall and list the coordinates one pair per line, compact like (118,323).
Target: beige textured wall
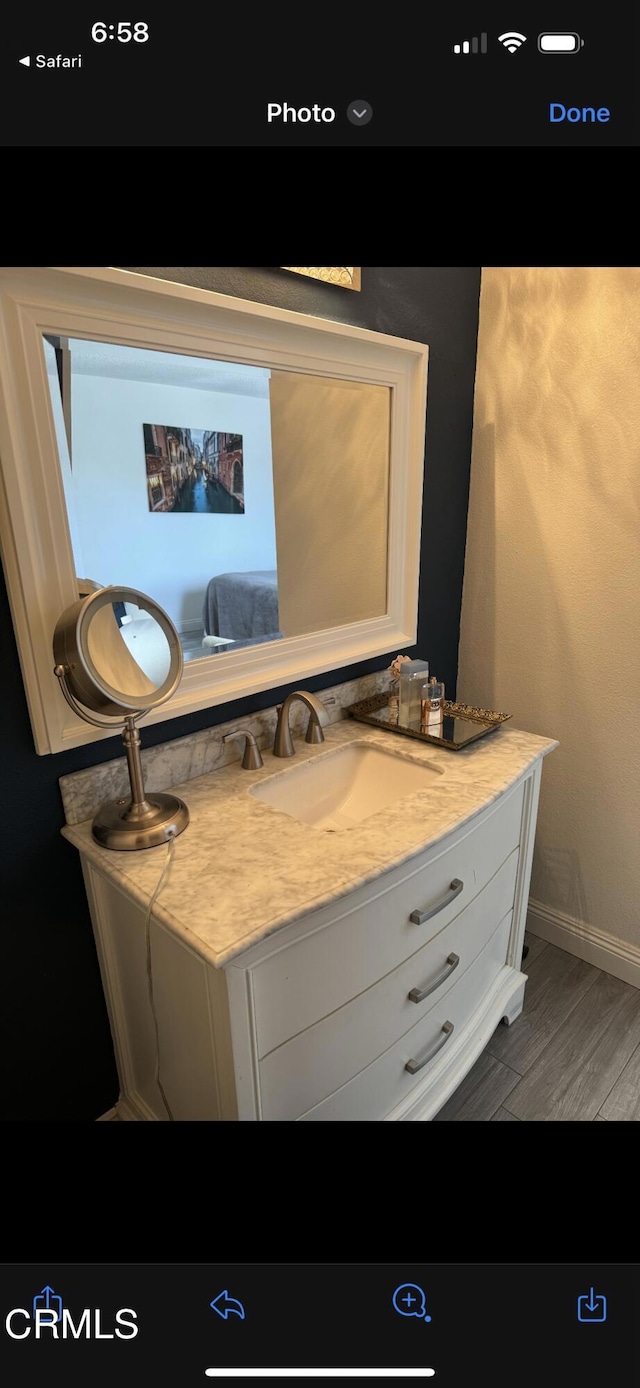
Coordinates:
(330,444)
(550,624)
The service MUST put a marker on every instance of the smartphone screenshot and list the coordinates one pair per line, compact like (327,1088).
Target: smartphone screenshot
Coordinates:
(456,1324)
(518,75)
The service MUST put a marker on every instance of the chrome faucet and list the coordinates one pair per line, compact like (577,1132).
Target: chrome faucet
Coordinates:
(319,718)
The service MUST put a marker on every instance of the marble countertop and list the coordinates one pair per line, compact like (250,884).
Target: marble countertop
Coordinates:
(242,869)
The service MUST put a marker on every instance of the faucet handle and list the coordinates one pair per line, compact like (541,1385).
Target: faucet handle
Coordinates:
(318,719)
(314,732)
(252,759)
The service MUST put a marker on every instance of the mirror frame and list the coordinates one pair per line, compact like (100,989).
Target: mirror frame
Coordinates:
(119,306)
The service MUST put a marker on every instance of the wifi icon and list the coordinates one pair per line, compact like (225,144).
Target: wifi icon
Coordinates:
(512,41)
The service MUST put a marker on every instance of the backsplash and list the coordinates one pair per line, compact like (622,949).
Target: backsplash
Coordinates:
(172,763)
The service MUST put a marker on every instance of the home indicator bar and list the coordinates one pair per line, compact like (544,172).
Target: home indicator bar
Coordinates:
(320,1373)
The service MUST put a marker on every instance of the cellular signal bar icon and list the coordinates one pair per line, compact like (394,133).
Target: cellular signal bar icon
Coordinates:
(471,45)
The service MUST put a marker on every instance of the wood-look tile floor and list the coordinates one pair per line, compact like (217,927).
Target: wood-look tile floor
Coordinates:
(573,1055)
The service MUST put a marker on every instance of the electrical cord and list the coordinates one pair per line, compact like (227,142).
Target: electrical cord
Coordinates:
(147,939)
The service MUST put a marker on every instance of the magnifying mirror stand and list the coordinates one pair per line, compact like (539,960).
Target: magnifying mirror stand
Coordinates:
(143,821)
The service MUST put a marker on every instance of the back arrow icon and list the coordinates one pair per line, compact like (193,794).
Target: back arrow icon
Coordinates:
(225,1305)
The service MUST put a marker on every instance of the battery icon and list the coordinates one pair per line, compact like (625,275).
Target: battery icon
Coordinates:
(560,43)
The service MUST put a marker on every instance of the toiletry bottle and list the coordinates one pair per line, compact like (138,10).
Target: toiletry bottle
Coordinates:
(414,675)
(432,708)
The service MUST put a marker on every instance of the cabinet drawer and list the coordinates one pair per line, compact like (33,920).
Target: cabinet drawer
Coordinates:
(346,952)
(371,1094)
(313,1064)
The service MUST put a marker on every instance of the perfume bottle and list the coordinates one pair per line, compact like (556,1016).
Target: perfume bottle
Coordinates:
(432,708)
(414,675)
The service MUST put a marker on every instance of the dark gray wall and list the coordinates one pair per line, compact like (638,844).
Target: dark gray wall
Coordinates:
(57,1052)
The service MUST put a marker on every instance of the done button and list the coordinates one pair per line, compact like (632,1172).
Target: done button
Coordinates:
(587,115)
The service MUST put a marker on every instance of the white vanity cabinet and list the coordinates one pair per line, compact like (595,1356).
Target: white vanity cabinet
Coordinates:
(373,1007)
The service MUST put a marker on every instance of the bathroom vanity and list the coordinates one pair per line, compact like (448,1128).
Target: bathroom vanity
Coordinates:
(313,973)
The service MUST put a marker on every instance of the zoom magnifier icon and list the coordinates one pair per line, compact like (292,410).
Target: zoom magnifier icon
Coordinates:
(409,1300)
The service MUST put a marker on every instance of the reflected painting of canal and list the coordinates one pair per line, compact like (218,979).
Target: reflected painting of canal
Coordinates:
(202,494)
(193,470)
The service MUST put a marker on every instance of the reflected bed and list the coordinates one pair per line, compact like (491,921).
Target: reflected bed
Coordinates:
(242,607)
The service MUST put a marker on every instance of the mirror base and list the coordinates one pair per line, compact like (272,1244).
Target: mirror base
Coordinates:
(168,816)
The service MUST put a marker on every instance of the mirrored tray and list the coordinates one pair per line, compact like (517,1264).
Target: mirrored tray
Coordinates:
(461,723)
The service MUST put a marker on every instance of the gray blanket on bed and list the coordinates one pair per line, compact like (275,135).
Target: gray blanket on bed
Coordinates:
(242,605)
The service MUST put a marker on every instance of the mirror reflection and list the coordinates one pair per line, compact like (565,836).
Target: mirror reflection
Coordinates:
(129,649)
(252,503)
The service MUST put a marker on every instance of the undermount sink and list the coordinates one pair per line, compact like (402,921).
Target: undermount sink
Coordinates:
(340,789)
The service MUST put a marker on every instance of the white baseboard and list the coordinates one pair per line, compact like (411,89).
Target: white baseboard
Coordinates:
(130,1112)
(596,947)
(125,1112)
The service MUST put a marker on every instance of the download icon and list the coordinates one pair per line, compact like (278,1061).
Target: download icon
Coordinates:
(592,1307)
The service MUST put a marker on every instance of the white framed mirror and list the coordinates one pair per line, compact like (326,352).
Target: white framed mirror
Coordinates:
(245,465)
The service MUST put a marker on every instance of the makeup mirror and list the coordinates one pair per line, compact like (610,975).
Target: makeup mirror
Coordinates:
(117,653)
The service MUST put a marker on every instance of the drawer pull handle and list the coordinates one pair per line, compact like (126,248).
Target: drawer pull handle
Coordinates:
(414,1065)
(419,994)
(419,917)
